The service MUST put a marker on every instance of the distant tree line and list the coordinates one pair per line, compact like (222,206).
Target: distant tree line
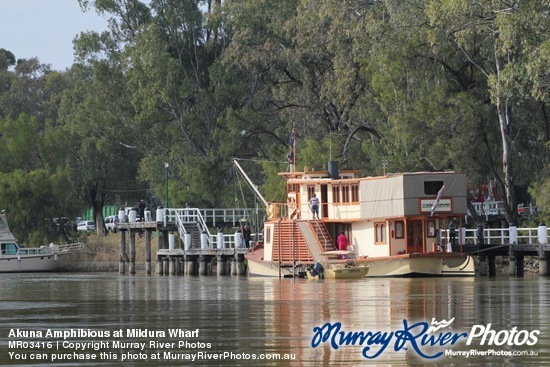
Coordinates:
(411,85)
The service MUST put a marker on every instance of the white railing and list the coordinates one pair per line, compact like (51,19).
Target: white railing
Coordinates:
(496,236)
(487,208)
(216,216)
(196,215)
(71,247)
(497,208)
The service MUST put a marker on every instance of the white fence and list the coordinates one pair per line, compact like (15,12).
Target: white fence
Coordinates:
(215,217)
(502,236)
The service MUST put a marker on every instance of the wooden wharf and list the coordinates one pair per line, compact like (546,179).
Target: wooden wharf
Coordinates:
(512,242)
(194,251)
(199,252)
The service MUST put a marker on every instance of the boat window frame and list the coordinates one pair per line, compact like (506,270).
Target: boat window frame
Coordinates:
(432,187)
(431,224)
(336,194)
(9,249)
(346,198)
(399,229)
(310,191)
(380,231)
(267,237)
(354,197)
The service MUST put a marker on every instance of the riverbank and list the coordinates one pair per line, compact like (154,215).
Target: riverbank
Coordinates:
(101,254)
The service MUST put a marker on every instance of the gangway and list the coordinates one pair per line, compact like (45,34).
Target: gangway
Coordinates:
(72,247)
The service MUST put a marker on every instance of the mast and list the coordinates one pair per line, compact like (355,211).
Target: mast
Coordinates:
(251,184)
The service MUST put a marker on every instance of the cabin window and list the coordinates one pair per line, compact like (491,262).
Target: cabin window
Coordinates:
(431,228)
(292,188)
(267,237)
(432,187)
(9,249)
(399,233)
(355,193)
(336,194)
(380,233)
(310,191)
(345,194)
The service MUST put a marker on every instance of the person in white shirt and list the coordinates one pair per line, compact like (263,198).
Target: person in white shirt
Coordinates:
(314,203)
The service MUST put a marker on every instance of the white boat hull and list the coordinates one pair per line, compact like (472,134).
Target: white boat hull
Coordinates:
(355,272)
(392,266)
(421,265)
(43,263)
(266,269)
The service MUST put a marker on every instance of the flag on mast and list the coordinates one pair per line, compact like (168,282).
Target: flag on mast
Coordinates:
(436,202)
(292,154)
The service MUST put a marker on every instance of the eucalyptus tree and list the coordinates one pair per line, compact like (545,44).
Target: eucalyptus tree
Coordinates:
(99,138)
(35,179)
(503,42)
(432,84)
(296,59)
(175,100)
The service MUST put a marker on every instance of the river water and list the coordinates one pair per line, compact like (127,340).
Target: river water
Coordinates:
(76,319)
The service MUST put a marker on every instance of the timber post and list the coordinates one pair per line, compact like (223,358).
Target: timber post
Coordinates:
(122,250)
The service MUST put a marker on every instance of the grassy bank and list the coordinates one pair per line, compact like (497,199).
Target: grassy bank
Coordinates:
(102,253)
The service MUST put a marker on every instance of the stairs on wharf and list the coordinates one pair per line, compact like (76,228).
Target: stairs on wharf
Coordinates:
(185,245)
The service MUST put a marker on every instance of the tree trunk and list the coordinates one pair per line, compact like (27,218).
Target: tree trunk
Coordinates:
(98,219)
(509,200)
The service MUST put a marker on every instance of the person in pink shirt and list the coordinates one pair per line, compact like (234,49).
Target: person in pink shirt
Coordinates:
(342,241)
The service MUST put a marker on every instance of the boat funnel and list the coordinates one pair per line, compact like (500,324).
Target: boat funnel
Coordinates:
(333,169)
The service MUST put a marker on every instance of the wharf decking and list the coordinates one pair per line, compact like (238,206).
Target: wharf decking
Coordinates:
(197,251)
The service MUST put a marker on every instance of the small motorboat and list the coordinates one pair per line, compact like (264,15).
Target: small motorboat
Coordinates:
(338,266)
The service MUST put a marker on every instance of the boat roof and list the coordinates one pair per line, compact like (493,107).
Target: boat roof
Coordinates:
(5,233)
(337,252)
(353,176)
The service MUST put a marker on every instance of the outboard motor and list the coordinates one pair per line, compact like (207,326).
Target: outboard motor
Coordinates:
(317,270)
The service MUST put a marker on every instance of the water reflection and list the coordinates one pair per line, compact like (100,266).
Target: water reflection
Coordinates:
(270,315)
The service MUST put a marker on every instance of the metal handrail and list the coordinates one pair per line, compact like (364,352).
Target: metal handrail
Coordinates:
(176,215)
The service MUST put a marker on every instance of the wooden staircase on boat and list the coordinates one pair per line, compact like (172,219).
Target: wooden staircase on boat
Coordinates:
(321,231)
(300,241)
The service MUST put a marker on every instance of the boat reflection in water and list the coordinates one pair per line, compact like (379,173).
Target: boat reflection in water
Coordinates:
(385,304)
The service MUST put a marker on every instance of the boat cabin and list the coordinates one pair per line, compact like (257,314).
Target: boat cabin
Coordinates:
(382,216)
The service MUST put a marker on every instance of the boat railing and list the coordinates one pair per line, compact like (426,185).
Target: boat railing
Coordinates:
(70,247)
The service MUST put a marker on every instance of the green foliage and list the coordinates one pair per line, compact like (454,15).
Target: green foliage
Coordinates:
(384,86)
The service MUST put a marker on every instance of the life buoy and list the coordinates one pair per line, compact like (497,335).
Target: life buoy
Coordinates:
(272,211)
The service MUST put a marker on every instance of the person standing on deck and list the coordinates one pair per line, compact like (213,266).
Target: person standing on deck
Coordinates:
(314,203)
(141,208)
(452,232)
(186,212)
(342,241)
(246,235)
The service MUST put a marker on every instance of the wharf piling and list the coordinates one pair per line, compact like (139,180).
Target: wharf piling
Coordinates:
(516,245)
(178,255)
